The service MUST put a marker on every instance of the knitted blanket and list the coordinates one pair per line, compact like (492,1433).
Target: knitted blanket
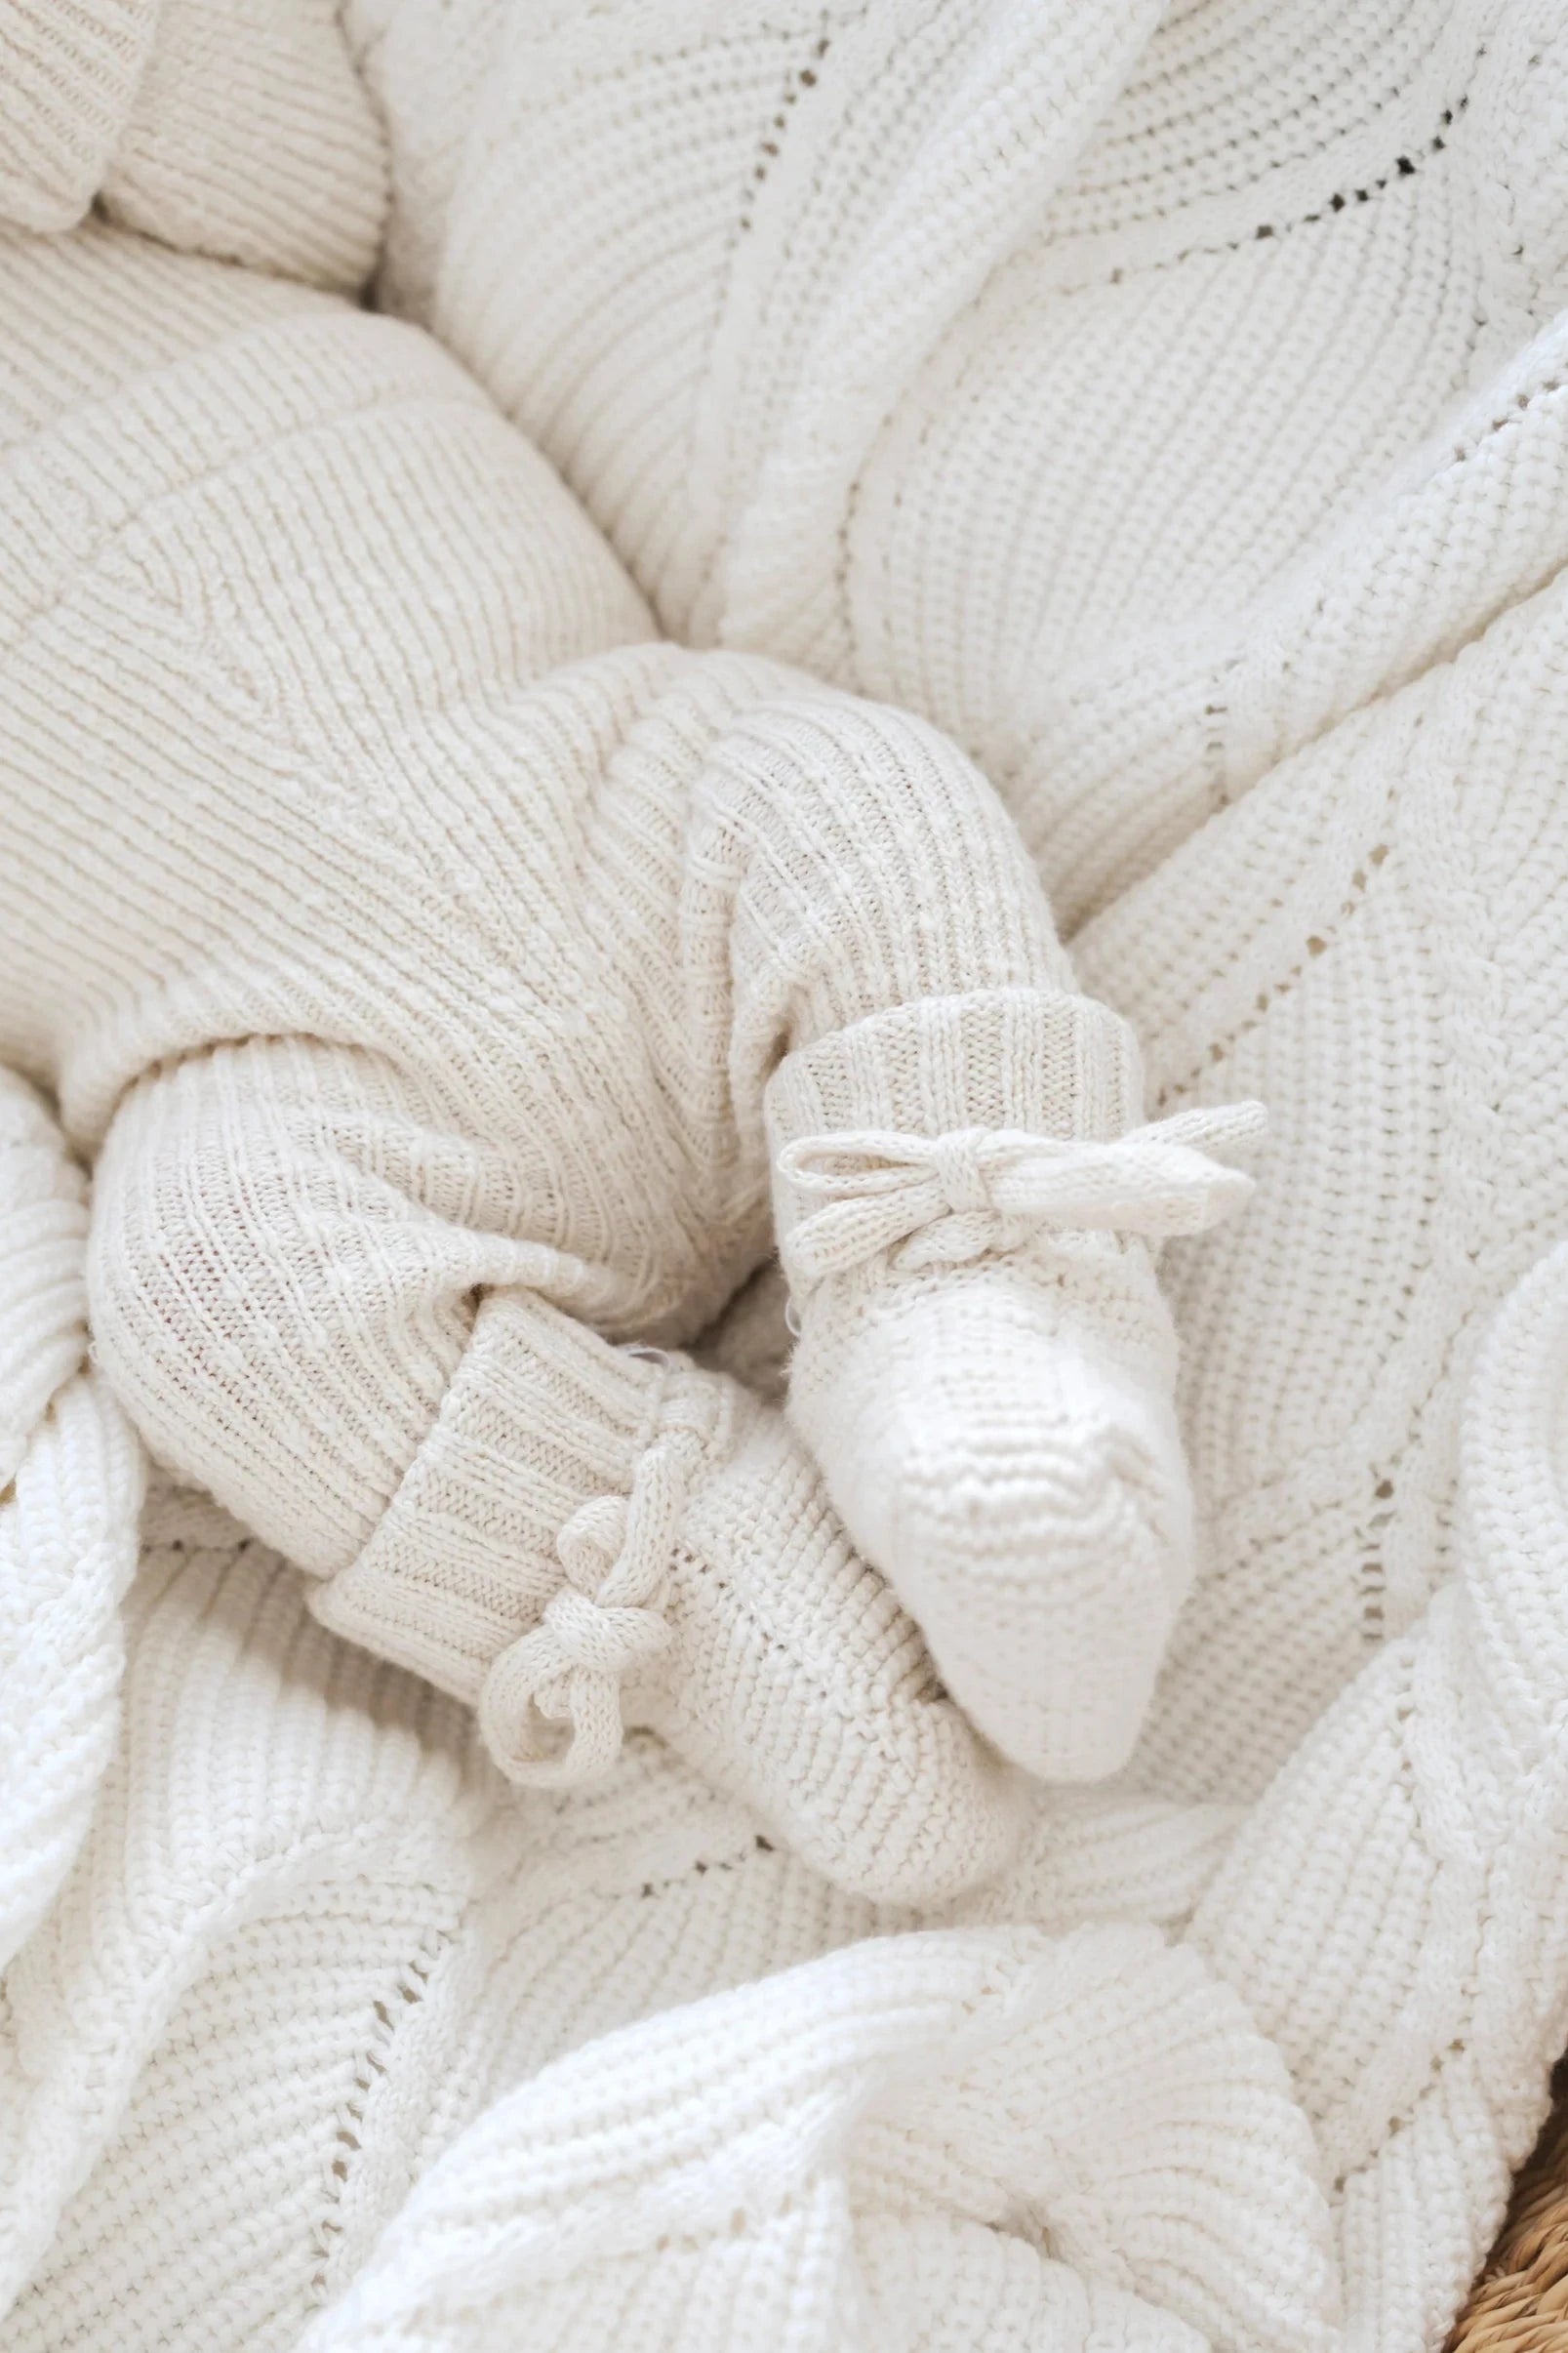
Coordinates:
(1175,413)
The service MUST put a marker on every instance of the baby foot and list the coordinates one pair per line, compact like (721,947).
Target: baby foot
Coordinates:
(796,1679)
(671,1561)
(984,1364)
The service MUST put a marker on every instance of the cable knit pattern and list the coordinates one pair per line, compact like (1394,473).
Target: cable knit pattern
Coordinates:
(1170,406)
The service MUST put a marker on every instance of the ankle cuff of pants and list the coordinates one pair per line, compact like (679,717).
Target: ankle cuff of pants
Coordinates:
(1041,1059)
(520,1566)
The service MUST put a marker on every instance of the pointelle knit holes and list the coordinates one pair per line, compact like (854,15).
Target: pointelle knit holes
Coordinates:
(951,1199)
(602,1624)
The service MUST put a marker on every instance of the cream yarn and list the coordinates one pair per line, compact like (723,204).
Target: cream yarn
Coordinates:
(413,1022)
(837,2177)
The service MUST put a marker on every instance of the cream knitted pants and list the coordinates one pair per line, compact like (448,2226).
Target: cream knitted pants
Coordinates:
(445,974)
(329,1278)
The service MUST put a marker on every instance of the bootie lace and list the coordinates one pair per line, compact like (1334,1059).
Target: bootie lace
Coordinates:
(948,1199)
(605,1622)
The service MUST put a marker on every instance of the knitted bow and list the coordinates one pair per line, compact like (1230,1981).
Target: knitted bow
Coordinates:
(946,1199)
(602,1624)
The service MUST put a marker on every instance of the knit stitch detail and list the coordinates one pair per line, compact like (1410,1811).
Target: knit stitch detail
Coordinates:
(68,77)
(1195,531)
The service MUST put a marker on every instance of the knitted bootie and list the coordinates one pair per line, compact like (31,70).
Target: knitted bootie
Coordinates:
(986,1363)
(629,1540)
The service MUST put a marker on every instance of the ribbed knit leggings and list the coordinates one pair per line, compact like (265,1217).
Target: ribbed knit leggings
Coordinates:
(412,939)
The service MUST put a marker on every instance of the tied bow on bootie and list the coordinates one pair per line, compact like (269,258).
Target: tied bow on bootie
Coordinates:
(602,1625)
(946,1199)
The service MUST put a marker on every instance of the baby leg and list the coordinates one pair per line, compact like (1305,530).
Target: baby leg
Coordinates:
(985,1362)
(303,1289)
(347,909)
(623,929)
(791,917)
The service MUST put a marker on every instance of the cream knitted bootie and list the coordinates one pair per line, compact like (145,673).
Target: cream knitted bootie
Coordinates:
(629,1540)
(986,1363)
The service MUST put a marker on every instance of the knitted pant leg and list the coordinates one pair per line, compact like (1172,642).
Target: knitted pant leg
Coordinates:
(852,958)
(344,914)
(289,1296)
(292,1240)
(986,1384)
(627,921)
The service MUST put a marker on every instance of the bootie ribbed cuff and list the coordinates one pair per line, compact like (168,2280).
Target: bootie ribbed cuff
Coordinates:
(947,1080)
(984,1364)
(520,1565)
(1038,1059)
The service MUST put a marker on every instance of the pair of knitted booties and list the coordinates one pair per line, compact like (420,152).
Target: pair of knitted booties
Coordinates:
(979,1400)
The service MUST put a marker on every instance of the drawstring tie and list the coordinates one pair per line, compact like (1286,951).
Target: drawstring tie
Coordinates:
(603,1623)
(944,1200)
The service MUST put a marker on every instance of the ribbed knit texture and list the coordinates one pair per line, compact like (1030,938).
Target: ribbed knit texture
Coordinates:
(907,273)
(415,938)
(72,1475)
(68,79)
(1311,270)
(378,1953)
(252,138)
(1193,452)
(480,927)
